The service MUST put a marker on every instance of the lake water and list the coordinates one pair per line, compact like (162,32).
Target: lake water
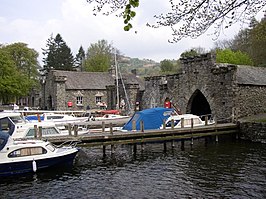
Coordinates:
(226,169)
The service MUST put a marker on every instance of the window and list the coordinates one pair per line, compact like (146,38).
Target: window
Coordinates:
(27,152)
(50,147)
(79,100)
(52,117)
(169,123)
(45,131)
(98,99)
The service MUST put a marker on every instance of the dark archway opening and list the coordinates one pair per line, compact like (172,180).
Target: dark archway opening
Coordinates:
(199,104)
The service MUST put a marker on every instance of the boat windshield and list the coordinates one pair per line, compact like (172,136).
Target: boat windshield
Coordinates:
(50,147)
(3,139)
(169,123)
(17,119)
(45,131)
(7,126)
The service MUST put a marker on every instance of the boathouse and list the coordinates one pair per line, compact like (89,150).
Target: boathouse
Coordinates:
(204,87)
(73,90)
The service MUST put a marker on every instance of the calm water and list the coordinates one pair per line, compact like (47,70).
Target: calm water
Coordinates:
(224,170)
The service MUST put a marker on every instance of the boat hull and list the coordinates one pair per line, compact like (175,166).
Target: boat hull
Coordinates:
(20,167)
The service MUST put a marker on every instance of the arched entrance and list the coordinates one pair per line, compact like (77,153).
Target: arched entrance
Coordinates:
(198,104)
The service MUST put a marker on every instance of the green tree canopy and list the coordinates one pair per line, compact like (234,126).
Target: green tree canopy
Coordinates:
(189,53)
(25,59)
(80,58)
(166,66)
(13,83)
(258,43)
(99,57)
(251,41)
(57,55)
(231,57)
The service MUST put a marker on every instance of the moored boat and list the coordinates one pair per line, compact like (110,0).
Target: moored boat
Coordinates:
(56,118)
(110,117)
(152,118)
(26,156)
(188,119)
(13,124)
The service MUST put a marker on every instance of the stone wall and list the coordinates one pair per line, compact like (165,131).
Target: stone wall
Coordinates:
(199,76)
(88,98)
(253,131)
(251,100)
(59,98)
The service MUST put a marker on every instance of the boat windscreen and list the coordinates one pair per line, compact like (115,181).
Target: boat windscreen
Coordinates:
(169,123)
(3,139)
(7,126)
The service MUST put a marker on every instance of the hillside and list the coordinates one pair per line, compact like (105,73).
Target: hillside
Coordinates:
(143,67)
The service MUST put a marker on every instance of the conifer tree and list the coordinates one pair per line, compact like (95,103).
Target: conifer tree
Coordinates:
(58,55)
(80,58)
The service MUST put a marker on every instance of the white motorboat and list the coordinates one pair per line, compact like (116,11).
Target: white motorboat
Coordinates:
(56,118)
(188,118)
(109,117)
(25,156)
(13,124)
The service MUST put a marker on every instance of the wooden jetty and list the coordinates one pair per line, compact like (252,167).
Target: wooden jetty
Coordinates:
(138,137)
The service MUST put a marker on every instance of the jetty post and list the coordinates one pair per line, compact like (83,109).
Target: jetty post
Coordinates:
(192,125)
(40,132)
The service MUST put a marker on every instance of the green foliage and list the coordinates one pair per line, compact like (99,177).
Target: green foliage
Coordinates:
(57,55)
(189,53)
(26,61)
(250,41)
(167,65)
(99,57)
(80,58)
(231,57)
(129,14)
(13,83)
(258,43)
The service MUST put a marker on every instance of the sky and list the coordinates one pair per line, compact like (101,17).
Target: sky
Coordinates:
(34,21)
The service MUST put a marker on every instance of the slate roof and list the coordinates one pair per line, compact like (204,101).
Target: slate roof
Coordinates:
(251,75)
(95,80)
(130,78)
(86,80)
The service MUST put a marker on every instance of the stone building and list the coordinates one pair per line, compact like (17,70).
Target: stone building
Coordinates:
(71,90)
(204,87)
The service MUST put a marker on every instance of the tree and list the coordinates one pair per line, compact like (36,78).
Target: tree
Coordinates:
(80,58)
(258,43)
(193,52)
(25,59)
(251,41)
(99,57)
(13,84)
(58,55)
(223,44)
(166,66)
(231,57)
(189,18)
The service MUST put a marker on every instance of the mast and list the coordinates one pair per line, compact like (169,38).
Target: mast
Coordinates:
(117,89)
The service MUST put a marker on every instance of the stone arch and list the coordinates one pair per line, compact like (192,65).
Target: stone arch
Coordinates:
(198,104)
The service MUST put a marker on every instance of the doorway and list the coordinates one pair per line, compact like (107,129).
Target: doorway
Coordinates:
(198,104)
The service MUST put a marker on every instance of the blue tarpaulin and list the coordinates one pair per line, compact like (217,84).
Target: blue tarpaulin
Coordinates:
(152,118)
(34,118)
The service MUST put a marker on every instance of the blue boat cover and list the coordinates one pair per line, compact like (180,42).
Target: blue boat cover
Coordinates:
(153,118)
(34,117)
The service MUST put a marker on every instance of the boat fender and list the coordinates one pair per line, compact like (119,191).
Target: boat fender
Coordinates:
(34,166)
